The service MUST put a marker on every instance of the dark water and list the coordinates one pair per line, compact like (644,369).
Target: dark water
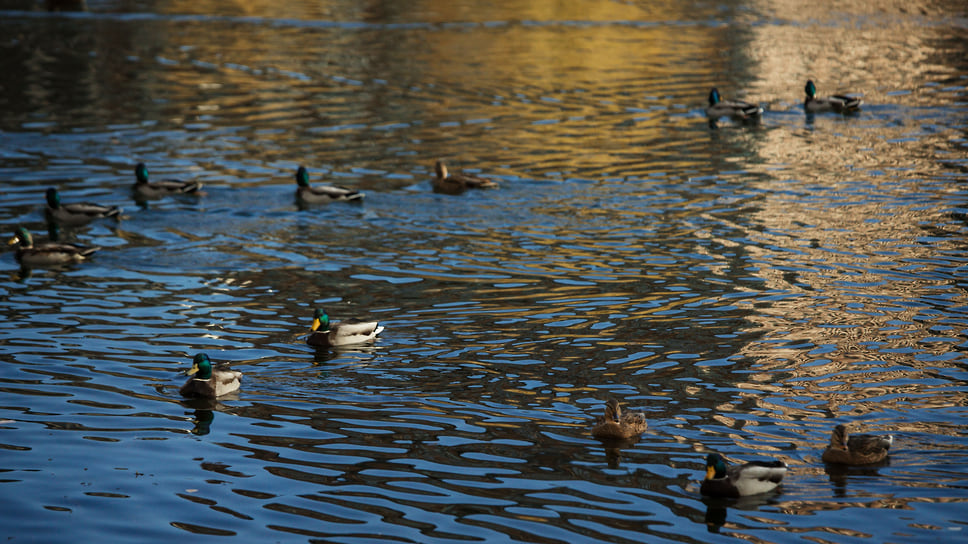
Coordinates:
(747,287)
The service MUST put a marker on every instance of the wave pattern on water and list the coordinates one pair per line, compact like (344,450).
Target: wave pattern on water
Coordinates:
(746,287)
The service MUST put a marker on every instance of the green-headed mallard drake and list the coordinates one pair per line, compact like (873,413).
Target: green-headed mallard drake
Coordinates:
(347,332)
(858,449)
(617,426)
(740,480)
(209,381)
(730,108)
(153,190)
(837,102)
(321,194)
(454,184)
(51,253)
(76,213)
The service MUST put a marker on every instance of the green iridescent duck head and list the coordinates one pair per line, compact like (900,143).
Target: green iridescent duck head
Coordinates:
(201,367)
(714,97)
(141,172)
(715,466)
(810,89)
(21,236)
(320,320)
(302,177)
(53,198)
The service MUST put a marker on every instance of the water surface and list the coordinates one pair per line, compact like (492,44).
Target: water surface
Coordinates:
(747,287)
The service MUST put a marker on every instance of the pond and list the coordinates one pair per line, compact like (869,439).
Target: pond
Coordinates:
(746,286)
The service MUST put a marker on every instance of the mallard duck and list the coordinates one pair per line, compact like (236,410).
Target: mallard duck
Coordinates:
(347,332)
(208,381)
(51,253)
(77,213)
(454,184)
(858,449)
(153,190)
(838,102)
(730,108)
(740,480)
(616,426)
(321,194)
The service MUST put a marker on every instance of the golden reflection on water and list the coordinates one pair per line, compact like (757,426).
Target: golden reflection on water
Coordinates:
(869,248)
(880,38)
(427,11)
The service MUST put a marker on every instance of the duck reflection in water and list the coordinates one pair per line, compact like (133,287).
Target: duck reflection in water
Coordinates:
(613,449)
(65,5)
(203,422)
(203,412)
(839,475)
(717,508)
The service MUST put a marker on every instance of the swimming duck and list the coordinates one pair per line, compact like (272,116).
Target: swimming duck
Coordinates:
(454,184)
(730,108)
(77,213)
(208,381)
(347,332)
(740,480)
(153,190)
(838,102)
(858,449)
(616,425)
(51,253)
(321,194)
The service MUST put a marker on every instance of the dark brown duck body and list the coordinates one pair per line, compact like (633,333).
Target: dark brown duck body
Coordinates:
(618,426)
(455,184)
(861,449)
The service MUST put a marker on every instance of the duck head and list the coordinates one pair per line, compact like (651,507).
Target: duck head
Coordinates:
(714,97)
(141,172)
(201,366)
(53,198)
(441,169)
(320,320)
(810,89)
(715,466)
(302,177)
(21,236)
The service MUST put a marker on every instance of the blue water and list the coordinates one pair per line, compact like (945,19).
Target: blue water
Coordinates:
(747,287)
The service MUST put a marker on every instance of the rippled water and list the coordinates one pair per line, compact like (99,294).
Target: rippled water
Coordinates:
(747,287)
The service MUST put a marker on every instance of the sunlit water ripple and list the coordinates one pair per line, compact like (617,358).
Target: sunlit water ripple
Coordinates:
(746,287)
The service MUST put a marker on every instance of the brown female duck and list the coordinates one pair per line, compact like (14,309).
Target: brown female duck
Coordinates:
(618,426)
(454,184)
(859,449)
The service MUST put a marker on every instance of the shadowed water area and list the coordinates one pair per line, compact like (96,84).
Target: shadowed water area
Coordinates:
(747,287)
